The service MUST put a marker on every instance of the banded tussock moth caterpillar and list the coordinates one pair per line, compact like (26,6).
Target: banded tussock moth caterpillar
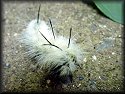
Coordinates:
(58,55)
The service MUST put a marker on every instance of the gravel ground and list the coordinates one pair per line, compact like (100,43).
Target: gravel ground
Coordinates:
(99,37)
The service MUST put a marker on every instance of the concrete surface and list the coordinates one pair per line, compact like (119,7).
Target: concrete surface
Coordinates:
(99,37)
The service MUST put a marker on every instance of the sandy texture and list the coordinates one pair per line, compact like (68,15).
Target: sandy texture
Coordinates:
(99,37)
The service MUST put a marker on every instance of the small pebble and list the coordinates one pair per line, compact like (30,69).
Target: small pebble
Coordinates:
(94,57)
(79,85)
(104,26)
(80,78)
(109,56)
(18,21)
(99,77)
(15,34)
(16,52)
(85,60)
(20,46)
(20,79)
(7,65)
(8,34)
(113,53)
(119,36)
(83,19)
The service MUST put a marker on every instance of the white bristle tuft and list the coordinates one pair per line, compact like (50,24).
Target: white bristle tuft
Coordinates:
(50,57)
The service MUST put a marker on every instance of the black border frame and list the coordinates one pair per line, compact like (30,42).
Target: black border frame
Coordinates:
(88,2)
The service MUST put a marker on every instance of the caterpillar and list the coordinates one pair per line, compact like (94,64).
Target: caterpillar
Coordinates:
(58,55)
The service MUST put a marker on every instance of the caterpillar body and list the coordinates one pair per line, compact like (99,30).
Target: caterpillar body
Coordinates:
(58,55)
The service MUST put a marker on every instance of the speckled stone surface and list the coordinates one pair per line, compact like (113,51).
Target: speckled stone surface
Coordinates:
(99,37)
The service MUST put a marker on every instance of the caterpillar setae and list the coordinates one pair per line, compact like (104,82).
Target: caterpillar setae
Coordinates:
(58,55)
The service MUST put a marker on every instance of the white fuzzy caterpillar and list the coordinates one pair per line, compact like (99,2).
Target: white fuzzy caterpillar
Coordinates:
(51,52)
